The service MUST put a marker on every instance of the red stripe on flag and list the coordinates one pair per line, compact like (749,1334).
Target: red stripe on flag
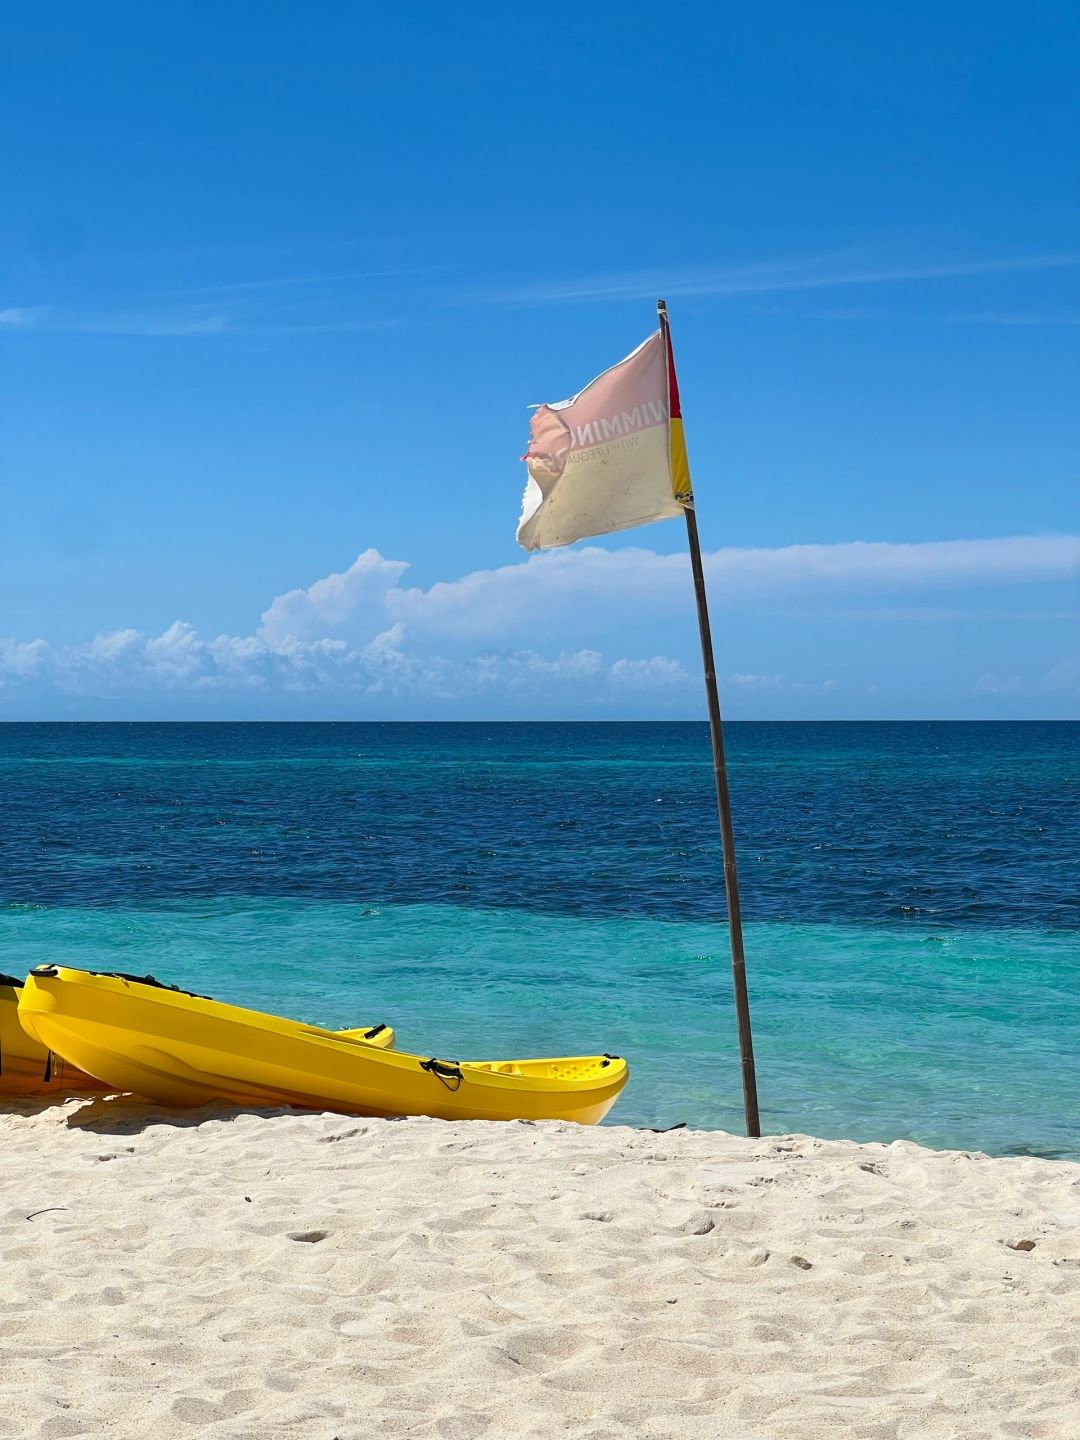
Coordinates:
(673,383)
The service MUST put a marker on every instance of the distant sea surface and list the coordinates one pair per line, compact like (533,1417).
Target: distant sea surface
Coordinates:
(910,893)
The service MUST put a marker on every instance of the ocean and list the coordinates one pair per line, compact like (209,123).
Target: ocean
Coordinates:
(910,896)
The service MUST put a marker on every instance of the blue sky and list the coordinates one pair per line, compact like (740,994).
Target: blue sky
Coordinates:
(278,282)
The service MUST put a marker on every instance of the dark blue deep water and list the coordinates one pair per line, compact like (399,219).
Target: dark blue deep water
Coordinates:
(910,893)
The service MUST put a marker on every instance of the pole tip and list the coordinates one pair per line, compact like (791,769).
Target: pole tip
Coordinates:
(661,307)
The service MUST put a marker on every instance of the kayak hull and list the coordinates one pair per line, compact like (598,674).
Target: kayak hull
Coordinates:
(185,1050)
(26,1066)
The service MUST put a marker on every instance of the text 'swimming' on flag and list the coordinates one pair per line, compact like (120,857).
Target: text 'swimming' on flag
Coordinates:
(610,458)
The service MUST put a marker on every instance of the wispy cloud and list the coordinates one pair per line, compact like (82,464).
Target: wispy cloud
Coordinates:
(797,273)
(287,282)
(778,684)
(974,317)
(998,317)
(18,317)
(292,304)
(325,327)
(181,322)
(148,322)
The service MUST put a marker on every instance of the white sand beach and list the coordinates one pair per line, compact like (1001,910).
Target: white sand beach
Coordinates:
(269,1274)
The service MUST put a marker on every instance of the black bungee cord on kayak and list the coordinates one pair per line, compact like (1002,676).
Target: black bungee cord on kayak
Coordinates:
(445,1071)
(155,984)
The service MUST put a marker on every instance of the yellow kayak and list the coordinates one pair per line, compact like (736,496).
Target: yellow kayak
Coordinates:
(183,1049)
(27,1068)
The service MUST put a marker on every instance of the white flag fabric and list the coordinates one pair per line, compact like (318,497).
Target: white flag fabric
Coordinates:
(603,460)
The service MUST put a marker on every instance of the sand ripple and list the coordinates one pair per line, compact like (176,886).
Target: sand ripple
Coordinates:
(252,1276)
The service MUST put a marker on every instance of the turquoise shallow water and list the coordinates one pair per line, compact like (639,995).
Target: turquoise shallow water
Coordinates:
(966,1040)
(500,890)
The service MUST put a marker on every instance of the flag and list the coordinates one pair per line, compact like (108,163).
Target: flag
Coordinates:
(610,458)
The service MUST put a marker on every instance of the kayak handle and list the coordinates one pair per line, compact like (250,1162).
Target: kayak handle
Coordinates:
(444,1071)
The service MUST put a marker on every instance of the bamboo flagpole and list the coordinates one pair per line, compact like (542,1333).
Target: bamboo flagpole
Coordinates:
(720,775)
(610,458)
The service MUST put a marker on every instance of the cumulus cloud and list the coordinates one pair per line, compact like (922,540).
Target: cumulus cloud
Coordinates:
(496,632)
(127,662)
(177,655)
(350,598)
(658,673)
(113,645)
(22,660)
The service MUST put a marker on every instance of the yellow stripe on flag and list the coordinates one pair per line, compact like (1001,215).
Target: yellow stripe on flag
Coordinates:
(680,466)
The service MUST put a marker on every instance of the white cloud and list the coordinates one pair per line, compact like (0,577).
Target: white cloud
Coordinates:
(882,565)
(777,684)
(177,654)
(658,673)
(758,682)
(503,632)
(125,662)
(591,581)
(352,598)
(20,660)
(112,645)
